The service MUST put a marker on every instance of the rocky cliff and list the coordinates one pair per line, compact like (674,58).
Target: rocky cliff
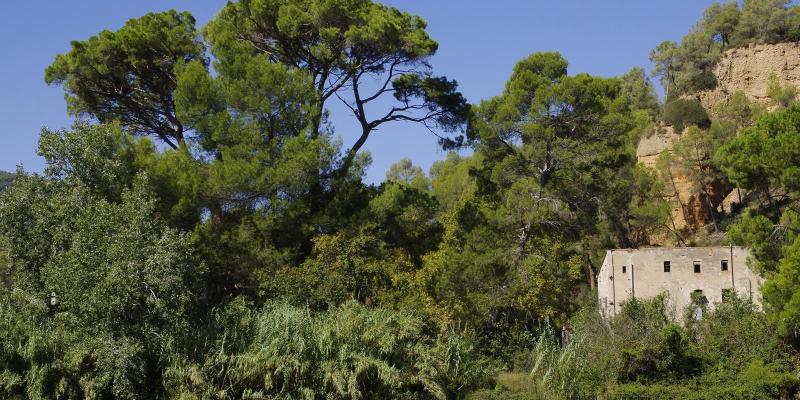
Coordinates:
(746,69)
(688,209)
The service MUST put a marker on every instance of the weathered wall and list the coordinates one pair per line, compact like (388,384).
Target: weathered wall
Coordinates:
(644,276)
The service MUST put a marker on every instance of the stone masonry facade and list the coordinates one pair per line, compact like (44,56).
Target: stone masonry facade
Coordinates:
(683,273)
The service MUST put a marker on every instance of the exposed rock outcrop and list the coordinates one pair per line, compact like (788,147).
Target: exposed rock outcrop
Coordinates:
(746,69)
(690,209)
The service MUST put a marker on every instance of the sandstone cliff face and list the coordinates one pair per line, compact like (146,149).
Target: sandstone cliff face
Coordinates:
(689,210)
(747,69)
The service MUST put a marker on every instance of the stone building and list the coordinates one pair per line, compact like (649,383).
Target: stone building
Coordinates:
(687,275)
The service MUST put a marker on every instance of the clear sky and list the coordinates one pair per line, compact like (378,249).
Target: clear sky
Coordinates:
(479,43)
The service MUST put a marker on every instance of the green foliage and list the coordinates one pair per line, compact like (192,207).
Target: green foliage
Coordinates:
(351,351)
(451,179)
(126,286)
(454,366)
(337,44)
(757,383)
(129,75)
(687,67)
(682,113)
(249,260)
(649,211)
(639,91)
(345,267)
(692,157)
(734,336)
(739,109)
(721,20)
(756,232)
(553,157)
(650,346)
(6,179)
(780,96)
(733,352)
(766,154)
(762,158)
(793,24)
(779,292)
(763,21)
(404,171)
(555,368)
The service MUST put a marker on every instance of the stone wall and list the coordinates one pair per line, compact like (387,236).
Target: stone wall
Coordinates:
(640,273)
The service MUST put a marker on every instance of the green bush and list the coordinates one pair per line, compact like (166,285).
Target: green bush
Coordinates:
(642,353)
(757,382)
(782,96)
(682,113)
(350,352)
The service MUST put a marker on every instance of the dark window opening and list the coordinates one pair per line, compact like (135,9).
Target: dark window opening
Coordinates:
(724,265)
(697,267)
(666,266)
(624,269)
(727,294)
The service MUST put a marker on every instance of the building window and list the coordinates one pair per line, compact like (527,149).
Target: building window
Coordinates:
(697,267)
(666,266)
(624,269)
(727,294)
(724,265)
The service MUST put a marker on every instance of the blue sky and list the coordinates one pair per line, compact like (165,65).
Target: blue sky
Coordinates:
(479,43)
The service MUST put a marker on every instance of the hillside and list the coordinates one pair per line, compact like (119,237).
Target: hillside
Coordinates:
(749,70)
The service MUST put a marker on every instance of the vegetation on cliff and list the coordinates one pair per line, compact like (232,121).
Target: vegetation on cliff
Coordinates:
(687,66)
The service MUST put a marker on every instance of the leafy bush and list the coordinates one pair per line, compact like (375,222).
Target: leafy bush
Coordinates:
(757,382)
(734,335)
(641,353)
(681,113)
(125,287)
(350,351)
(6,178)
(783,96)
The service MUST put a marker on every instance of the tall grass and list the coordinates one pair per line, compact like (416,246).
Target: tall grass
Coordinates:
(557,371)
(348,352)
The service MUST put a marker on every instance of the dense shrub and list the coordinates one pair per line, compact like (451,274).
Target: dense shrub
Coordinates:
(641,353)
(682,113)
(757,382)
(351,351)
(6,179)
(782,96)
